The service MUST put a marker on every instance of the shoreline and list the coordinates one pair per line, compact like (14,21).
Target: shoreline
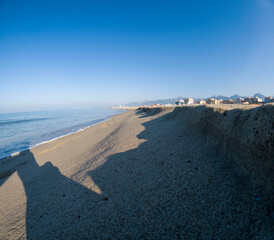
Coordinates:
(56,138)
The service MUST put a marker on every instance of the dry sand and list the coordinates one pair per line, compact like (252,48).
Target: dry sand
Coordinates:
(162,173)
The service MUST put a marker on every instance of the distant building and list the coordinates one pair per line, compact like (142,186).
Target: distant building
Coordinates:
(189,100)
(269,99)
(210,101)
(229,101)
(253,100)
(260,100)
(180,102)
(239,101)
(213,101)
(202,102)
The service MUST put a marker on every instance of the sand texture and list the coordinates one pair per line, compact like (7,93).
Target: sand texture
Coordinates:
(163,173)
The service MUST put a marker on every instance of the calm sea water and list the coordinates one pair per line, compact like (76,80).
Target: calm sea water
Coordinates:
(21,131)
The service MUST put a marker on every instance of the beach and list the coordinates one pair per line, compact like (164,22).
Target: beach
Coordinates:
(197,172)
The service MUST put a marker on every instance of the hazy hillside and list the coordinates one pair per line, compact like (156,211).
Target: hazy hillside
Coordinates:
(173,100)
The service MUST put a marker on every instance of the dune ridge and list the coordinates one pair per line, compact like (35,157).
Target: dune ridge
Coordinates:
(244,133)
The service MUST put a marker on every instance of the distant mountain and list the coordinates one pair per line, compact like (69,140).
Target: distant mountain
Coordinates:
(259,95)
(173,100)
(236,96)
(219,97)
(159,101)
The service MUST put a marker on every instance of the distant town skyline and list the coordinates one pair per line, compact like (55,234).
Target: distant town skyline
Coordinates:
(57,55)
(259,97)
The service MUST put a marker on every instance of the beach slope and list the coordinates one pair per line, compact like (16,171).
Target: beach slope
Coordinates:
(161,173)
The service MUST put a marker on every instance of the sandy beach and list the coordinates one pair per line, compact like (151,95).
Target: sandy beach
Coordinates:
(163,173)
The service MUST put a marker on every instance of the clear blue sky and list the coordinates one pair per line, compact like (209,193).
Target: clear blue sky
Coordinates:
(70,54)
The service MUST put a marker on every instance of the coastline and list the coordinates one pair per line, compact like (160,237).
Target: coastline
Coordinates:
(19,157)
(56,138)
(148,173)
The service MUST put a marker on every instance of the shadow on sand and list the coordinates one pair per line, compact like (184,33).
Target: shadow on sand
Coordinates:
(55,203)
(170,187)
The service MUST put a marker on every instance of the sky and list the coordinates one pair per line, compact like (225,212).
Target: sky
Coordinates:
(78,54)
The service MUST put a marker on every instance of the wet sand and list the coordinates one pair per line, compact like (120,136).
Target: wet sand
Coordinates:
(144,174)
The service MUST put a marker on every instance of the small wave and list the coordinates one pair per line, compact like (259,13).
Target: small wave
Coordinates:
(26,146)
(11,122)
(37,134)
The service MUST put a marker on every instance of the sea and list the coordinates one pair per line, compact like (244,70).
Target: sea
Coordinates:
(25,130)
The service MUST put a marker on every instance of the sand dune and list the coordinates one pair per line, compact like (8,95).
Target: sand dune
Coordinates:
(162,173)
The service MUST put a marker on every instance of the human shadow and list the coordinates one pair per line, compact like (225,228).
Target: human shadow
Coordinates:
(56,205)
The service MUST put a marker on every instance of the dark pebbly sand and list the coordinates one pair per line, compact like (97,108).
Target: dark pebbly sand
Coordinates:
(162,173)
